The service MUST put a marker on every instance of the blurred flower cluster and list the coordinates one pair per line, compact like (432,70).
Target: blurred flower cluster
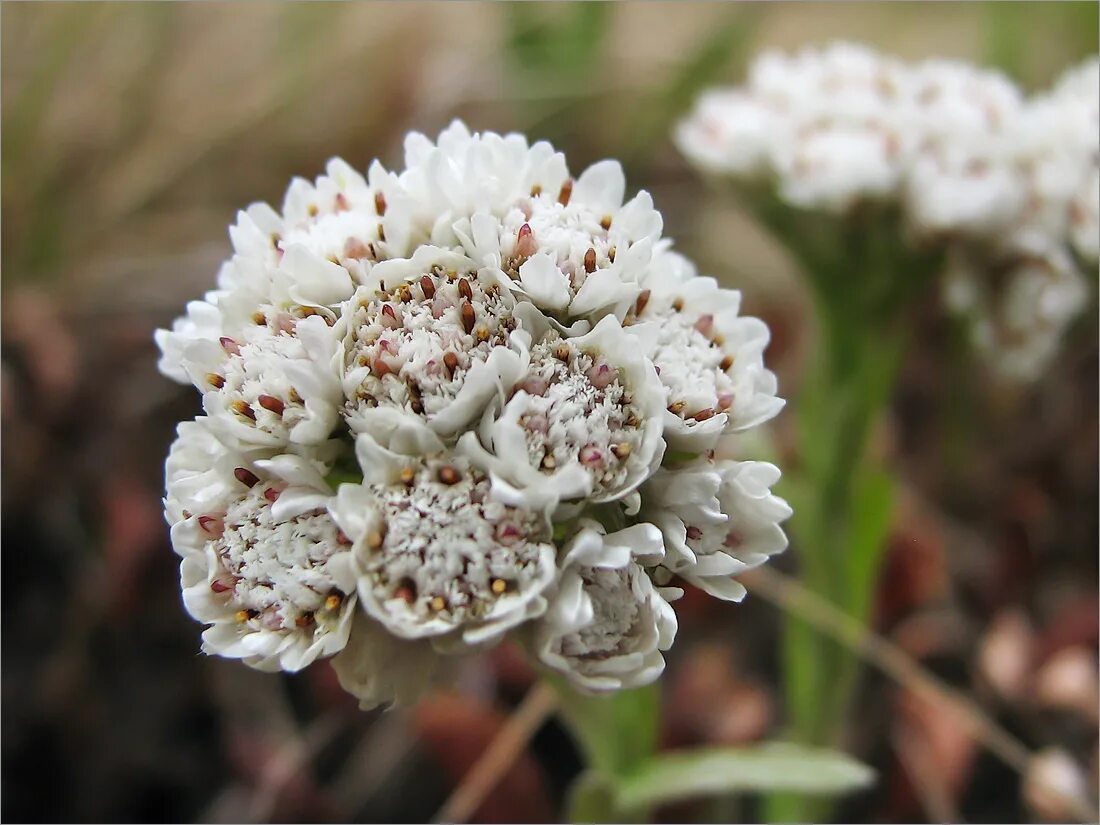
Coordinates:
(473,398)
(1008,186)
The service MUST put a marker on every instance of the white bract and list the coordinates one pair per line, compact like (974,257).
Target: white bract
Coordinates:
(965,161)
(426,392)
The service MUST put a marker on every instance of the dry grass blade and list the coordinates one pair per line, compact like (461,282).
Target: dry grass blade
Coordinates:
(480,780)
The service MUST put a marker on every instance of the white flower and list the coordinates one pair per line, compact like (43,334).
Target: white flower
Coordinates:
(709,358)
(730,131)
(269,387)
(584,421)
(435,340)
(608,623)
(468,351)
(572,252)
(1019,319)
(827,124)
(378,668)
(263,563)
(718,519)
(436,552)
(463,173)
(201,323)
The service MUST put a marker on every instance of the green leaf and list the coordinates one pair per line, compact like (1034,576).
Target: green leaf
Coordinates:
(872,509)
(771,767)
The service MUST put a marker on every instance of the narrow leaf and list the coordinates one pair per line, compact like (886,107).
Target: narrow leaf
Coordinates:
(771,767)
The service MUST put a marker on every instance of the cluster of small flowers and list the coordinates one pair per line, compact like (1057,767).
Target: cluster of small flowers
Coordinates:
(1008,185)
(476,398)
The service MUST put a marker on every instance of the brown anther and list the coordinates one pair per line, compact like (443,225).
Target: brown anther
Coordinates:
(727,362)
(481,333)
(437,603)
(245,477)
(449,475)
(242,408)
(632,420)
(259,319)
(464,289)
(245,615)
(211,524)
(294,397)
(341,202)
(379,204)
(566,192)
(406,591)
(230,346)
(718,340)
(468,316)
(304,621)
(605,223)
(313,211)
(218,586)
(678,304)
(415,402)
(381,233)
(621,450)
(403,293)
(450,361)
(374,539)
(427,286)
(380,368)
(333,601)
(214,380)
(703,415)
(407,475)
(271,404)
(525,242)
(389,312)
(611,254)
(562,351)
(272,494)
(643,300)
(342,538)
(499,586)
(590,261)
(677,407)
(536,190)
(363,361)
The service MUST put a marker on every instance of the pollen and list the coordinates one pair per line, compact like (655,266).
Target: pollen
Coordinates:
(499,586)
(333,601)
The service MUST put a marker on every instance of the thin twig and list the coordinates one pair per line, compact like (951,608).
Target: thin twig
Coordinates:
(824,617)
(501,754)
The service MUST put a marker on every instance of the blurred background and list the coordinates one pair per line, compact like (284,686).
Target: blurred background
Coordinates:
(131,135)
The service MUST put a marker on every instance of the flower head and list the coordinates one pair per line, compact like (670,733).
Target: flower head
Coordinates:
(425,391)
(956,155)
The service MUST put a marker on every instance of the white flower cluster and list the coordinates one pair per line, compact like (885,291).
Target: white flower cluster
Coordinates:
(968,161)
(474,398)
